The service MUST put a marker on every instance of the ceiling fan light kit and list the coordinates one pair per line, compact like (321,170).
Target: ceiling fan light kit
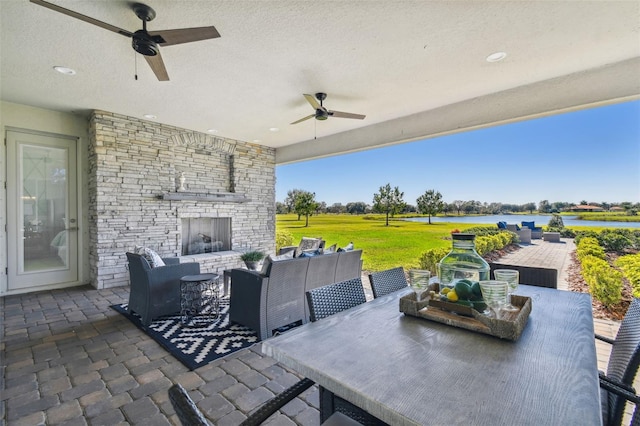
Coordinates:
(143,42)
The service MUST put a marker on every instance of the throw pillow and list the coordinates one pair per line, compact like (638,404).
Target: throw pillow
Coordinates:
(330,249)
(266,265)
(502,225)
(152,257)
(307,244)
(310,253)
(529,225)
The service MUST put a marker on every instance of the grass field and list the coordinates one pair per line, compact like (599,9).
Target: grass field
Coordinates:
(399,244)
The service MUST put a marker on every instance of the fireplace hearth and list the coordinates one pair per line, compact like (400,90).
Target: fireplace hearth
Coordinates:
(206,235)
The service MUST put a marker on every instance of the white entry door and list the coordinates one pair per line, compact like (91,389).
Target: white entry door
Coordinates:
(42,216)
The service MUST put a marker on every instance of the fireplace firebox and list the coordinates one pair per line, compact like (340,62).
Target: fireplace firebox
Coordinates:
(206,235)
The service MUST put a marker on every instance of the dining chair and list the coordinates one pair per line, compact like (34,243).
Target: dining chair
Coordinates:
(530,275)
(323,302)
(333,298)
(626,392)
(385,282)
(190,415)
(624,361)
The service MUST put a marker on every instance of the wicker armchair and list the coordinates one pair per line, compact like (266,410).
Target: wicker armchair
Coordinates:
(155,292)
(189,414)
(623,364)
(541,277)
(333,298)
(385,282)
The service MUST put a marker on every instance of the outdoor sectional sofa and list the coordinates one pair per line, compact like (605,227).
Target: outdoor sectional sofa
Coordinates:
(276,299)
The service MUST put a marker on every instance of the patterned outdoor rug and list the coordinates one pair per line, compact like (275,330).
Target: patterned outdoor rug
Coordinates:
(205,340)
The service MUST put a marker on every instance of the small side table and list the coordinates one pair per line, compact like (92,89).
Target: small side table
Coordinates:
(197,293)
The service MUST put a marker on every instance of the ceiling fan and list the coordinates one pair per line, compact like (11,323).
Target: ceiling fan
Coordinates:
(143,42)
(322,113)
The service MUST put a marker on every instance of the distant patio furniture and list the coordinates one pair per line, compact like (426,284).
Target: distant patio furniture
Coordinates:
(385,282)
(540,277)
(524,234)
(536,231)
(552,237)
(155,292)
(623,363)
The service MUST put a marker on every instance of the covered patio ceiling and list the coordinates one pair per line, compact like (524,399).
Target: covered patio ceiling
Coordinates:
(416,69)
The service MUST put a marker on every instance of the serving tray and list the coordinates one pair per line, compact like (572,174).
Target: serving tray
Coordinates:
(509,326)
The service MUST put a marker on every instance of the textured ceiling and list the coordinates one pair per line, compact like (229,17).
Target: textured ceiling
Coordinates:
(399,62)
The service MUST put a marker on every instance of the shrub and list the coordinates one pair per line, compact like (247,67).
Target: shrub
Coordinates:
(555,224)
(430,258)
(589,246)
(605,283)
(283,239)
(630,265)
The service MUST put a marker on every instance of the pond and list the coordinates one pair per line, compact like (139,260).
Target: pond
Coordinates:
(540,220)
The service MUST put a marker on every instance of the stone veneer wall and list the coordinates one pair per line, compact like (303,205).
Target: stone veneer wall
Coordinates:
(133,162)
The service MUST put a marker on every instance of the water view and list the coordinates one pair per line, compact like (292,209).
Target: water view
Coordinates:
(540,220)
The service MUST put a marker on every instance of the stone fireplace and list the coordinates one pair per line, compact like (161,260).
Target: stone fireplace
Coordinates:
(206,235)
(175,191)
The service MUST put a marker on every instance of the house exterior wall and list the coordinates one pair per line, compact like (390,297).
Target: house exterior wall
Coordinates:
(124,167)
(133,162)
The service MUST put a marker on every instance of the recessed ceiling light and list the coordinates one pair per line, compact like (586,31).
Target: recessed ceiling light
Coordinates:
(151,116)
(496,57)
(212,130)
(64,70)
(274,129)
(257,140)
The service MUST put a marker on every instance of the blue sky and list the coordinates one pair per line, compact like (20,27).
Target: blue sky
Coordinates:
(592,155)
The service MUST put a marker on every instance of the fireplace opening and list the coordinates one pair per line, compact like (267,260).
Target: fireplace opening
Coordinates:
(206,235)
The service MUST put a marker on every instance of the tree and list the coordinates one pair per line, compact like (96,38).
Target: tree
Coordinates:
(388,201)
(357,207)
(544,206)
(529,206)
(458,205)
(290,201)
(430,203)
(305,204)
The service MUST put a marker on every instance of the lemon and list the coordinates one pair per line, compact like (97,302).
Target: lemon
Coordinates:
(445,290)
(452,296)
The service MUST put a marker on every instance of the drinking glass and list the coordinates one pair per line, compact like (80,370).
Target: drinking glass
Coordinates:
(494,294)
(419,281)
(511,276)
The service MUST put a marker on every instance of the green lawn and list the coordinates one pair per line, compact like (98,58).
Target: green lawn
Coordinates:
(399,244)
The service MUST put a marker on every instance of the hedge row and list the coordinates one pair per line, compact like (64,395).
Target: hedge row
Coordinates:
(630,265)
(605,282)
(487,240)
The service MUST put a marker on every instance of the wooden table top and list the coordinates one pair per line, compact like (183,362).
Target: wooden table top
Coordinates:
(412,371)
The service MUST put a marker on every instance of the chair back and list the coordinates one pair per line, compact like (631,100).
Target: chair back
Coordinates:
(541,277)
(333,298)
(624,359)
(385,282)
(349,265)
(186,410)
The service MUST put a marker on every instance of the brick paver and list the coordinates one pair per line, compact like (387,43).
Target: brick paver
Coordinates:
(66,357)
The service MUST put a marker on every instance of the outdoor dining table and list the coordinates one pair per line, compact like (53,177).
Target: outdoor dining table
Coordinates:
(411,371)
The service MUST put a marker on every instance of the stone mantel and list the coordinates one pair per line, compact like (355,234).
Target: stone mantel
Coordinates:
(221,197)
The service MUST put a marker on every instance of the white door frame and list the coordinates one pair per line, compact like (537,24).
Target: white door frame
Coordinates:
(20,281)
